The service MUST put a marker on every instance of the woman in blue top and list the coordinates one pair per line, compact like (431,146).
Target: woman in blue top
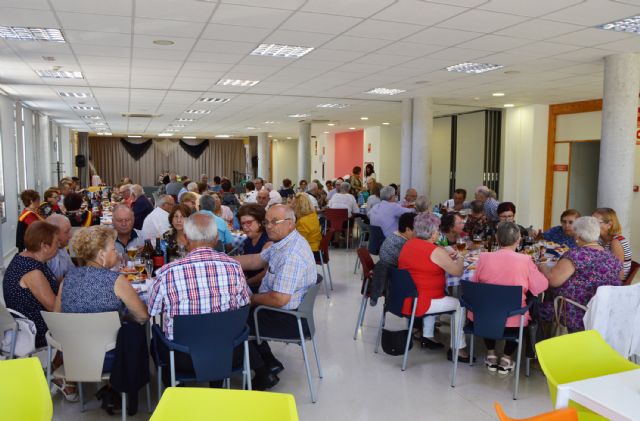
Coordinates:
(563,233)
(251,217)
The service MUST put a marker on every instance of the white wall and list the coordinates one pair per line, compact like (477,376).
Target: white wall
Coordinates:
(325,154)
(470,151)
(30,149)
(524,158)
(371,140)
(7,124)
(440,159)
(285,161)
(388,167)
(581,126)
(66,152)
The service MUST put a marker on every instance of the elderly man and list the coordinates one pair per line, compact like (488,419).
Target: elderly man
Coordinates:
(157,222)
(422,204)
(274,196)
(204,178)
(140,205)
(291,272)
(128,237)
(208,205)
(345,200)
(174,186)
(490,204)
(386,213)
(61,262)
(314,195)
(263,198)
(410,198)
(125,193)
(458,202)
(259,183)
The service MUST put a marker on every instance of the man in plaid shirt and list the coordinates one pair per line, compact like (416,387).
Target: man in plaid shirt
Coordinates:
(291,271)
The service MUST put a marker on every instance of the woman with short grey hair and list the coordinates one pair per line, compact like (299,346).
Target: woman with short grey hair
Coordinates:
(587,228)
(388,193)
(422,204)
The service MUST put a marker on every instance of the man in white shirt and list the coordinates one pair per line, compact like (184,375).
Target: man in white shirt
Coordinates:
(157,222)
(344,200)
(251,192)
(274,196)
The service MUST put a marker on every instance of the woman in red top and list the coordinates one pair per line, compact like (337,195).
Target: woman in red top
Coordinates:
(31,201)
(427,264)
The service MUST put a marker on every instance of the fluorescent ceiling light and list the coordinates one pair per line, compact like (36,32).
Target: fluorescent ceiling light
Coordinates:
(298,115)
(31,34)
(385,91)
(326,132)
(631,25)
(250,128)
(509,105)
(98,123)
(85,107)
(215,100)
(270,122)
(364,118)
(237,82)
(185,120)
(197,112)
(104,133)
(134,136)
(475,68)
(59,74)
(189,137)
(75,94)
(385,123)
(332,105)
(331,124)
(280,50)
(498,94)
(163,42)
(178,125)
(289,137)
(165,134)
(223,136)
(172,130)
(352,128)
(92,117)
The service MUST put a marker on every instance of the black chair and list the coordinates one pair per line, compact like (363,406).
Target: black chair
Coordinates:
(209,339)
(376,238)
(492,305)
(401,287)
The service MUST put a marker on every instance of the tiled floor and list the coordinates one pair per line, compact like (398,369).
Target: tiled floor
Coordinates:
(360,385)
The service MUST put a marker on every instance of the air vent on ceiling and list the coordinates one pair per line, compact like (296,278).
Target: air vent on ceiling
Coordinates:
(140,115)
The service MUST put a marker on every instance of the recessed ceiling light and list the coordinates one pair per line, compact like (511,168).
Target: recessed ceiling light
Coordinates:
(185,119)
(631,25)
(385,91)
(31,34)
(165,134)
(59,74)
(475,68)
(134,136)
(509,105)
(326,132)
(269,136)
(498,94)
(92,117)
(332,105)
(298,115)
(279,50)
(364,118)
(223,136)
(163,42)
(237,82)
(85,107)
(352,128)
(331,124)
(215,100)
(197,111)
(385,123)
(75,94)
(189,137)
(476,98)
(48,58)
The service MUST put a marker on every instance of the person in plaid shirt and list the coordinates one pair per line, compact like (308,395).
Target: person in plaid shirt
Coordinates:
(291,271)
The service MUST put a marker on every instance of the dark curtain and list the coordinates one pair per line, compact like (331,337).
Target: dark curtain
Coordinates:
(196,150)
(136,150)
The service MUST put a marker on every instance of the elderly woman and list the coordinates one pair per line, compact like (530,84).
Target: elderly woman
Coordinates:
(190,200)
(50,205)
(611,238)
(476,223)
(451,229)
(307,222)
(506,267)
(344,200)
(507,213)
(374,195)
(251,218)
(77,216)
(422,204)
(223,211)
(31,201)
(563,233)
(29,286)
(175,237)
(580,272)
(427,263)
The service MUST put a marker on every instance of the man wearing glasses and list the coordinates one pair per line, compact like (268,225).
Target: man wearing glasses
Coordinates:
(291,270)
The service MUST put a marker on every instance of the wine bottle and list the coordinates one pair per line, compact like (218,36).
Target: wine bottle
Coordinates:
(147,250)
(158,256)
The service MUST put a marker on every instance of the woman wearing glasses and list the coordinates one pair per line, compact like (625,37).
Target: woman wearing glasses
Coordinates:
(251,217)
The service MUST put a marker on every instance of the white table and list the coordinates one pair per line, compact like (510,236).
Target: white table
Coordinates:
(614,396)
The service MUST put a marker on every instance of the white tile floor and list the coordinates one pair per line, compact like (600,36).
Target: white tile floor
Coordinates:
(361,385)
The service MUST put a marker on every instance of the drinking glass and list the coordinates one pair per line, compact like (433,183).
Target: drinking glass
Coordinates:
(139,265)
(131,252)
(461,245)
(148,266)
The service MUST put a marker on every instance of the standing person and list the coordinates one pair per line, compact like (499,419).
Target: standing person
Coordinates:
(61,263)
(611,238)
(157,222)
(564,233)
(356,181)
(369,173)
(31,201)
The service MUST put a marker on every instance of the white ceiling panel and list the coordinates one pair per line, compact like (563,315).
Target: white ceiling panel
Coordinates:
(167,53)
(527,7)
(594,12)
(629,45)
(276,4)
(383,59)
(303,38)
(442,36)
(92,50)
(335,55)
(383,30)
(224,47)
(591,37)
(202,56)
(418,12)
(146,41)
(458,55)
(195,11)
(90,22)
(539,29)
(259,17)
(190,83)
(98,7)
(322,23)
(27,4)
(356,44)
(409,49)
(235,33)
(482,21)
(99,38)
(356,8)
(494,43)
(167,29)
(544,48)
(27,17)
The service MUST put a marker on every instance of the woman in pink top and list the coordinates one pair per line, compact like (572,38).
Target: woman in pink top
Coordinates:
(506,267)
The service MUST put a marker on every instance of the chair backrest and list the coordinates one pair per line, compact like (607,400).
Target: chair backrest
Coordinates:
(366,261)
(362,226)
(401,287)
(578,356)
(376,238)
(564,414)
(306,306)
(24,391)
(210,339)
(7,321)
(632,272)
(324,244)
(84,339)
(491,305)
(336,217)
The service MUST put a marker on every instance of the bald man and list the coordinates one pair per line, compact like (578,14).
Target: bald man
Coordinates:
(410,198)
(61,263)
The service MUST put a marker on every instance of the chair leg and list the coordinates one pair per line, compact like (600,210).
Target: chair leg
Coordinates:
(149,397)
(330,278)
(49,358)
(455,350)
(81,393)
(363,307)
(380,326)
(159,380)
(409,335)
(315,351)
(172,367)
(124,406)
(324,279)
(306,361)
(527,367)
(348,232)
(471,349)
(247,364)
(515,389)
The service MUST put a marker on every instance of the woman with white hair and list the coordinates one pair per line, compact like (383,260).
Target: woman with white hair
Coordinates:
(580,272)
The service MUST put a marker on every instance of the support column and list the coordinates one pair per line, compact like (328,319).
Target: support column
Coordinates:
(406,131)
(304,151)
(83,149)
(246,142)
(421,146)
(264,156)
(617,141)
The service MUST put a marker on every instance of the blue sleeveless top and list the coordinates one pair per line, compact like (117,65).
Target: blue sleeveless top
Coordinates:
(249,248)
(90,290)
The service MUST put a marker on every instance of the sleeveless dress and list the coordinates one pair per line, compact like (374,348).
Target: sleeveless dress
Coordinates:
(626,248)
(21,299)
(90,290)
(249,248)
(428,277)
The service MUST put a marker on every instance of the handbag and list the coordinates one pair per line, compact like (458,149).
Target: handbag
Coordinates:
(25,338)
(394,341)
(559,326)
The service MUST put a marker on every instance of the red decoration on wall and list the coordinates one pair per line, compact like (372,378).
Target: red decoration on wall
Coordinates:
(369,148)
(561,167)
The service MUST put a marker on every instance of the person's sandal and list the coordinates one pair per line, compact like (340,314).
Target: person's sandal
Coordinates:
(491,362)
(69,391)
(506,366)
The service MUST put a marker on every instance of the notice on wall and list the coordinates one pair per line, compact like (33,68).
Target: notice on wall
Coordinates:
(561,167)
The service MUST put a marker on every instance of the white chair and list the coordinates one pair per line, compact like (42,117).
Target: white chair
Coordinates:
(7,322)
(84,338)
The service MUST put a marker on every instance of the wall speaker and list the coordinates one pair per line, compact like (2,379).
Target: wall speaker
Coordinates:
(81,161)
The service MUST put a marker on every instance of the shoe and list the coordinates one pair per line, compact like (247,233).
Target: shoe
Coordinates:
(430,344)
(461,359)
(491,362)
(264,382)
(275,367)
(506,366)
(69,391)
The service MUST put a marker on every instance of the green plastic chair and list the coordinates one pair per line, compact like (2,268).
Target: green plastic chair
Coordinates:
(197,403)
(24,394)
(579,356)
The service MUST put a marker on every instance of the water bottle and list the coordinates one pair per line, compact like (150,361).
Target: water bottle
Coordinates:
(360,199)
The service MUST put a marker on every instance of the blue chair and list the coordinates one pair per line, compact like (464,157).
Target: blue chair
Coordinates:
(401,287)
(209,339)
(492,305)
(376,238)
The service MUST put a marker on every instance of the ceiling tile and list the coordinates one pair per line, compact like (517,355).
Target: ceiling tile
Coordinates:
(372,28)
(442,36)
(494,43)
(302,38)
(409,49)
(167,29)
(146,41)
(91,22)
(591,37)
(526,7)
(99,38)
(384,59)
(27,17)
(235,33)
(481,21)
(539,29)
(113,7)
(322,23)
(91,50)
(356,8)
(418,12)
(197,11)
(356,44)
(594,12)
(225,47)
(258,17)
(275,4)
(629,45)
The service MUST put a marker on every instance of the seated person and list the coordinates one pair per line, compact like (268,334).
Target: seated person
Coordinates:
(612,240)
(307,222)
(251,217)
(506,267)
(286,190)
(410,198)
(61,262)
(175,237)
(208,204)
(563,233)
(157,222)
(451,229)
(191,200)
(77,216)
(50,205)
(392,245)
(128,237)
(386,213)
(422,204)
(458,202)
(228,198)
(140,205)
(344,200)
(507,213)
(476,223)
(31,201)
(250,192)
(580,272)
(223,211)
(374,195)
